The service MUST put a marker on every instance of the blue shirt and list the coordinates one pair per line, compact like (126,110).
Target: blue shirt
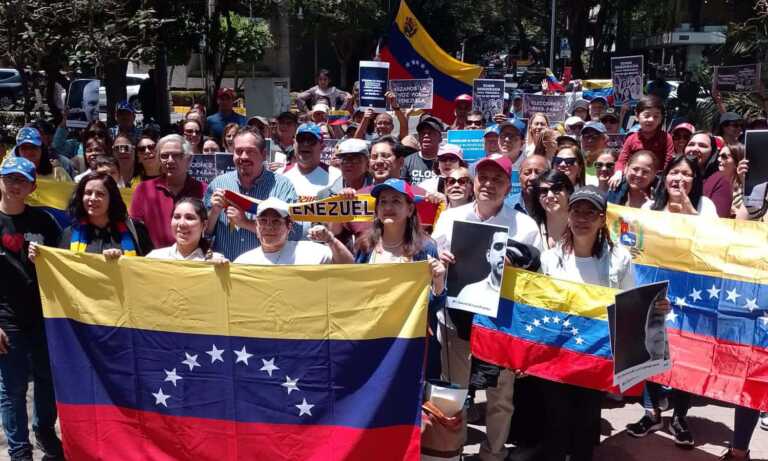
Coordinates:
(233,243)
(217,122)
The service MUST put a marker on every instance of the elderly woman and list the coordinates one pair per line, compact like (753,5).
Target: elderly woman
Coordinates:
(458,188)
(273,224)
(100,222)
(154,200)
(188,225)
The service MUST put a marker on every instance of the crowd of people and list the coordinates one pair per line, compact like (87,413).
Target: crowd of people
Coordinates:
(567,173)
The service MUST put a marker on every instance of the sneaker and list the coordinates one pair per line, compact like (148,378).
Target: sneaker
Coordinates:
(679,428)
(645,426)
(49,444)
(23,457)
(764,421)
(729,456)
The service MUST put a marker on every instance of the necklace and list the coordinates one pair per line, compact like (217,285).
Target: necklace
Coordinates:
(393,247)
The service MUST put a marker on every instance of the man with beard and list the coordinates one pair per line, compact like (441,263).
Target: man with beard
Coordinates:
(307,173)
(249,178)
(486,292)
(531,168)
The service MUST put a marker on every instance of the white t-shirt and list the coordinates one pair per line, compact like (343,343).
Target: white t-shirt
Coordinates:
(308,185)
(293,252)
(706,207)
(430,185)
(172,253)
(522,228)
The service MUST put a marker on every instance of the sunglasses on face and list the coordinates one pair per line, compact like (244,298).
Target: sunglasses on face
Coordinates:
(723,156)
(570,161)
(464,180)
(122,148)
(606,165)
(555,189)
(146,148)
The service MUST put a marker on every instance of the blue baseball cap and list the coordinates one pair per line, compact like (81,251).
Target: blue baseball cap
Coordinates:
(29,135)
(310,128)
(397,185)
(515,122)
(493,129)
(594,125)
(125,106)
(18,165)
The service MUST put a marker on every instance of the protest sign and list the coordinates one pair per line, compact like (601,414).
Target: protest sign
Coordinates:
(736,78)
(471,142)
(205,167)
(488,97)
(627,76)
(553,106)
(413,94)
(756,142)
(638,335)
(373,84)
(474,282)
(82,102)
(329,150)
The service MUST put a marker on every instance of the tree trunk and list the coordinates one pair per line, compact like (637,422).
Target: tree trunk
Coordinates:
(577,20)
(114,76)
(162,109)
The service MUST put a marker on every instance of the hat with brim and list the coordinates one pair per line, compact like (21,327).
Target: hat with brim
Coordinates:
(352,146)
(20,166)
(496,161)
(451,150)
(430,122)
(730,117)
(398,185)
(589,194)
(273,203)
(513,122)
(29,135)
(257,119)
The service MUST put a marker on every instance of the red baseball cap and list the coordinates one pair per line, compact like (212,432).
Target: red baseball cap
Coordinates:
(499,161)
(463,97)
(684,126)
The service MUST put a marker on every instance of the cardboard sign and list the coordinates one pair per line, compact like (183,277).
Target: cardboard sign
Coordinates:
(474,282)
(553,106)
(627,76)
(470,141)
(205,167)
(413,94)
(756,143)
(488,97)
(736,78)
(329,150)
(82,102)
(374,77)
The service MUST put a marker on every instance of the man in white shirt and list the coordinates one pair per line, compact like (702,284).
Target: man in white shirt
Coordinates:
(273,224)
(307,173)
(492,183)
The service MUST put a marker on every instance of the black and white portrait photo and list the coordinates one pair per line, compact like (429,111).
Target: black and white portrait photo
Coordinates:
(474,282)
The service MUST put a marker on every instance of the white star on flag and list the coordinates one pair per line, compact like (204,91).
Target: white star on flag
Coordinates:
(545,319)
(714,292)
(242,356)
(574,331)
(556,320)
(291,385)
(160,398)
(566,324)
(191,361)
(671,317)
(579,340)
(680,302)
(269,366)
(528,328)
(215,354)
(695,295)
(304,408)
(751,304)
(765,319)
(536,322)
(732,295)
(171,376)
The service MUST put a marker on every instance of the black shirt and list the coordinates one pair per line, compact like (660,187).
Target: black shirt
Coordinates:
(417,169)
(20,308)
(109,238)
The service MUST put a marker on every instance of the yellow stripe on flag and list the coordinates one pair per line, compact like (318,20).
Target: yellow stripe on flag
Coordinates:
(57,194)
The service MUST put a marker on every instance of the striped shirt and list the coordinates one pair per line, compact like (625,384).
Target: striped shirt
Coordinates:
(233,243)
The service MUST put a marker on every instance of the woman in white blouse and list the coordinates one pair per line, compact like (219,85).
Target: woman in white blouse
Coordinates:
(187,225)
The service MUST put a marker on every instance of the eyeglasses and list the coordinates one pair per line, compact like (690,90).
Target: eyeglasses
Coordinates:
(122,148)
(146,148)
(555,189)
(191,131)
(605,165)
(570,161)
(177,156)
(462,181)
(504,135)
(264,221)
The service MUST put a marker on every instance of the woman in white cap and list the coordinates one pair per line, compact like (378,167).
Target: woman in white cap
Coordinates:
(450,157)
(273,224)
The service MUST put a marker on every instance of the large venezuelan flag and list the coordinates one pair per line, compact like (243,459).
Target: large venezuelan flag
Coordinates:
(550,328)
(718,284)
(167,360)
(412,53)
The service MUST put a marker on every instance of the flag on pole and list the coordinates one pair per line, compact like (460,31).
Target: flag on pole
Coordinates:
(553,85)
(412,54)
(171,360)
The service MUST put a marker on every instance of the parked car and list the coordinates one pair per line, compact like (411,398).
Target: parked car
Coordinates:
(10,87)
(132,83)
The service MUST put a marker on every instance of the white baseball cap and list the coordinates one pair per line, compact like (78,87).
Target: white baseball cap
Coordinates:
(273,203)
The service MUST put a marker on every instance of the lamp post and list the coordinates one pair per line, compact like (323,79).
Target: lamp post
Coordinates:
(552,37)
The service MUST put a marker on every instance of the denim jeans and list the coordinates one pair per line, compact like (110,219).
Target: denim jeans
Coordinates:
(680,400)
(27,353)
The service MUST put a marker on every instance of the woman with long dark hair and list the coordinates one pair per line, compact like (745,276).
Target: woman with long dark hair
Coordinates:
(681,190)
(552,191)
(147,158)
(716,186)
(100,222)
(570,160)
(192,130)
(188,224)
(636,187)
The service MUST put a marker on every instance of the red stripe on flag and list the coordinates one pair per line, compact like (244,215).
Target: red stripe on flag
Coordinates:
(552,363)
(722,370)
(96,432)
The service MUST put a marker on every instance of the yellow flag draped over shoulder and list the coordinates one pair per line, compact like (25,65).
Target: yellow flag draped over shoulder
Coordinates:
(188,360)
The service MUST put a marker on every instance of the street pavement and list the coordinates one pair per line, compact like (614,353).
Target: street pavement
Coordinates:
(711,424)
